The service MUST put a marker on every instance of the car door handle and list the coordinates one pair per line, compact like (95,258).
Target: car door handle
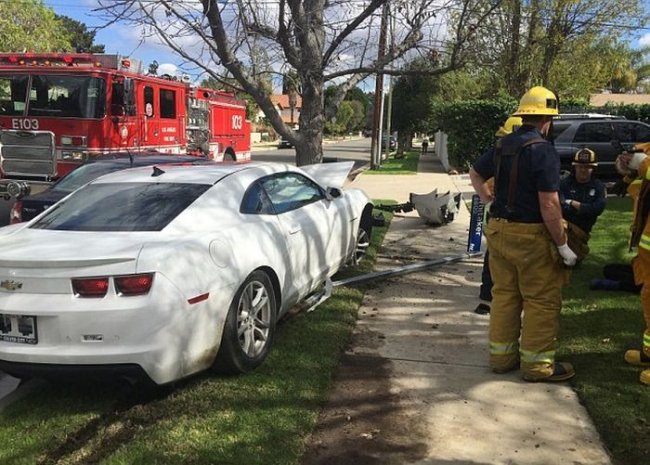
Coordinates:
(295,228)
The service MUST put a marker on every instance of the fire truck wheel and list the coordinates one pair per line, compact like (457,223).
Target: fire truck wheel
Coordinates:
(229,156)
(250,326)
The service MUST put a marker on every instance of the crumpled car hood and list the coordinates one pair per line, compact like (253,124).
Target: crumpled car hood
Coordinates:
(329,174)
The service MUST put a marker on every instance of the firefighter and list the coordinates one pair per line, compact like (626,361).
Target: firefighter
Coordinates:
(582,197)
(639,190)
(485,291)
(527,243)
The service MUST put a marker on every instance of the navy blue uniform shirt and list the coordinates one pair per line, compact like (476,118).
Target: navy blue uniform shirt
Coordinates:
(591,196)
(538,171)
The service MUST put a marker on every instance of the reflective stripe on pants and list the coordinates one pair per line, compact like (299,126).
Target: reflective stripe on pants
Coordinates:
(528,276)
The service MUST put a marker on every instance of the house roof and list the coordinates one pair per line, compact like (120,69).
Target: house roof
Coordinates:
(282,101)
(598,100)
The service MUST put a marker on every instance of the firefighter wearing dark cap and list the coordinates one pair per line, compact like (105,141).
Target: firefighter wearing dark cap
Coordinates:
(582,197)
(527,243)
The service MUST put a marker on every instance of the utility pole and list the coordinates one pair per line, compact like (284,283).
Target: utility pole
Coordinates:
(375,147)
(389,109)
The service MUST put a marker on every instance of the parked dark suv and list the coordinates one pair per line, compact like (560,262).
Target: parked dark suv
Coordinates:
(606,135)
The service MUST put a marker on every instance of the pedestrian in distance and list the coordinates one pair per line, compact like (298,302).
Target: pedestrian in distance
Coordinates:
(485,291)
(582,197)
(425,144)
(527,243)
(628,163)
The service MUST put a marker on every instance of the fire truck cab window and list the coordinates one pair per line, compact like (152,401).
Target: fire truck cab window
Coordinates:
(67,96)
(13,95)
(167,103)
(148,101)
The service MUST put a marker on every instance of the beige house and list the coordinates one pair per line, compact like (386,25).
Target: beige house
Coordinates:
(599,100)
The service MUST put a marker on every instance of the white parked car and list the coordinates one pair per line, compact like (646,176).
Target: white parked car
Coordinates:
(169,270)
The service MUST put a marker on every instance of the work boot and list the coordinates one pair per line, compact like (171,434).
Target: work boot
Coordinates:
(482,309)
(562,371)
(637,358)
(507,369)
(645,377)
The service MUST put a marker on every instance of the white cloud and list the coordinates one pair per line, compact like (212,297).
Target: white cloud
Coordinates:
(644,41)
(167,68)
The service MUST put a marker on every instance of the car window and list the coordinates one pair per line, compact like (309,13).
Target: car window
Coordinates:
(633,132)
(558,128)
(594,132)
(121,207)
(256,201)
(84,174)
(289,191)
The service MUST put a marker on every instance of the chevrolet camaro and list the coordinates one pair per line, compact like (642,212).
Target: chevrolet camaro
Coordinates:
(163,271)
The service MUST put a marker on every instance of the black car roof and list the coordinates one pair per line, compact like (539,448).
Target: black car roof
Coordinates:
(143,158)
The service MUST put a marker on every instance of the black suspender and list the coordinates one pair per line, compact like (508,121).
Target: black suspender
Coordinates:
(512,185)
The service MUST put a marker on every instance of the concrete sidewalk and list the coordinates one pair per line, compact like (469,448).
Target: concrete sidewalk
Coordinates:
(438,348)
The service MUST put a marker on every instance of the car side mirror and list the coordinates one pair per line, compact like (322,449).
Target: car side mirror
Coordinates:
(333,193)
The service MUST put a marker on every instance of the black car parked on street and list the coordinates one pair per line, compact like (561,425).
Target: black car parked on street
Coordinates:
(30,206)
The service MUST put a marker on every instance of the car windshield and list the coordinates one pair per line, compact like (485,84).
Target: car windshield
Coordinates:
(52,95)
(121,207)
(84,174)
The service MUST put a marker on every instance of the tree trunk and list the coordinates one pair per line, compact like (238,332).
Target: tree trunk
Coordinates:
(309,141)
(515,84)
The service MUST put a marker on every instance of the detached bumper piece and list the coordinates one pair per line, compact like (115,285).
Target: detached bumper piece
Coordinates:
(433,208)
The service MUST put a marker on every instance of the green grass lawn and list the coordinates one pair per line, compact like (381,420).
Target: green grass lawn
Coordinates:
(406,165)
(260,418)
(264,417)
(596,327)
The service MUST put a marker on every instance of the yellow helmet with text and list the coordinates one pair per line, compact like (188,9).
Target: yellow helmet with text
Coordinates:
(585,157)
(537,101)
(512,124)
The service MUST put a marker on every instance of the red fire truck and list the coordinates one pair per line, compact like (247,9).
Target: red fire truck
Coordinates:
(57,110)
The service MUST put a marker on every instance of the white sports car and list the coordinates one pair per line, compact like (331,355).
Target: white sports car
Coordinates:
(169,270)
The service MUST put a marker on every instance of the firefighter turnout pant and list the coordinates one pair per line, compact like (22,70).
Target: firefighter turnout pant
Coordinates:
(578,241)
(526,298)
(641,266)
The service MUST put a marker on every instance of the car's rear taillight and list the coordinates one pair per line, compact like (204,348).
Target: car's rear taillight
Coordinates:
(90,287)
(136,284)
(16,214)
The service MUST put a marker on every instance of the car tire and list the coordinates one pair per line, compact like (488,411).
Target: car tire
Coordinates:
(249,329)
(362,240)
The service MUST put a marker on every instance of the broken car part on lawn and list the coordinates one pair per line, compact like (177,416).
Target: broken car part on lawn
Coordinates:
(433,208)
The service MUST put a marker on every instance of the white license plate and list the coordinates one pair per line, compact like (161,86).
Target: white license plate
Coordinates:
(18,328)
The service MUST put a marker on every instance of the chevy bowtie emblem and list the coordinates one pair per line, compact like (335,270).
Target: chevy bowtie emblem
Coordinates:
(11,285)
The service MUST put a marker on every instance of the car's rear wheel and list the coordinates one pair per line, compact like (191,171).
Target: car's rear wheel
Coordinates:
(250,326)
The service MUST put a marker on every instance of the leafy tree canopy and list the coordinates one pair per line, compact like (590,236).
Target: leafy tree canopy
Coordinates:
(81,39)
(28,25)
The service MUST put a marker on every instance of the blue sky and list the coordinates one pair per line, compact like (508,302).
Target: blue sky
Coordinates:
(126,41)
(118,39)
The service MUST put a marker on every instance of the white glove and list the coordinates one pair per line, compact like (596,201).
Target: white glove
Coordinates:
(568,256)
(636,160)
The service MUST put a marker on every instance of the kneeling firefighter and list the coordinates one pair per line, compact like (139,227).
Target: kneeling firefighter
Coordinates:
(639,190)
(527,243)
(583,198)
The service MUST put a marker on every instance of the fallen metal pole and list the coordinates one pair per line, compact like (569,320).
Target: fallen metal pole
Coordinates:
(375,275)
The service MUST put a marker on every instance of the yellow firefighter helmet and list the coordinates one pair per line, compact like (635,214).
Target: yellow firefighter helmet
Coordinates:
(512,124)
(537,101)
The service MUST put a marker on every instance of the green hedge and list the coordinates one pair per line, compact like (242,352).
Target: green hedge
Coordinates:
(470,125)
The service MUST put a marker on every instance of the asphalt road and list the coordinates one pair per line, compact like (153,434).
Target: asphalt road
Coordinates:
(357,150)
